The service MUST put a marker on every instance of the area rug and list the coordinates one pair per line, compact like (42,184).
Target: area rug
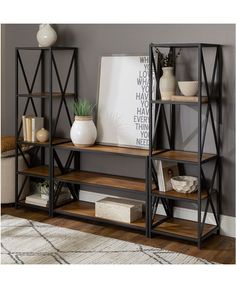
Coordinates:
(29,242)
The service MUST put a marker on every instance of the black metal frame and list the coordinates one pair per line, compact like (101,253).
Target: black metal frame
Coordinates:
(213,94)
(152,199)
(41,67)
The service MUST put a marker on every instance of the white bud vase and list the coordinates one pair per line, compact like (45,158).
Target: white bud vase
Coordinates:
(83,132)
(46,35)
(42,135)
(167,83)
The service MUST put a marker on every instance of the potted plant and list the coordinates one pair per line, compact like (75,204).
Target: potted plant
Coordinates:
(83,132)
(167,81)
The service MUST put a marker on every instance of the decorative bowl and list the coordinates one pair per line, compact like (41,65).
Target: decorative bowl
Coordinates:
(188,88)
(184,184)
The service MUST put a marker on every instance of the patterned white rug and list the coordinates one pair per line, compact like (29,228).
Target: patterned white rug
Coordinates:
(28,242)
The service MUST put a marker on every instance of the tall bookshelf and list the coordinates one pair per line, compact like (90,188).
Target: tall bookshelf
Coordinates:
(41,82)
(208,188)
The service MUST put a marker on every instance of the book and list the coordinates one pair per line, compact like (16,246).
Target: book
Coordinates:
(37,124)
(24,127)
(36,199)
(165,171)
(28,128)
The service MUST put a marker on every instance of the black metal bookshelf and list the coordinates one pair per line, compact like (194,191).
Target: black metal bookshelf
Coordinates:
(46,73)
(171,226)
(70,175)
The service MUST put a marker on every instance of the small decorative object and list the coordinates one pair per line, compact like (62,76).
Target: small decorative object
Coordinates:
(46,35)
(42,135)
(167,82)
(188,88)
(44,190)
(165,171)
(184,184)
(118,209)
(83,132)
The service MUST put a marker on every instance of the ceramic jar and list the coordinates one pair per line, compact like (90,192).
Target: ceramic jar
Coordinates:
(83,132)
(167,83)
(42,135)
(46,35)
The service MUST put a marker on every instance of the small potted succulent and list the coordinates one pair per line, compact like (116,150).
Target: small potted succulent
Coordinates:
(83,132)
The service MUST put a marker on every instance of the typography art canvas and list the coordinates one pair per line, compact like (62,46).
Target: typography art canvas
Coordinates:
(123,103)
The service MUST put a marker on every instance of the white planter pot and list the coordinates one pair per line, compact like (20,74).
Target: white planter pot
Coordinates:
(46,35)
(167,83)
(83,132)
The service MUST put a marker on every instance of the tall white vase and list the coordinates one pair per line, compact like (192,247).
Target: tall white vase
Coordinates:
(46,35)
(83,132)
(167,83)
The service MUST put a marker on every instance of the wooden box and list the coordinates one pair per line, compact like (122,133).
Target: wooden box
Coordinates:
(118,209)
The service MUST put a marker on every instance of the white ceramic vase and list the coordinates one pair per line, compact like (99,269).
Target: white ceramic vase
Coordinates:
(42,135)
(167,83)
(83,132)
(46,35)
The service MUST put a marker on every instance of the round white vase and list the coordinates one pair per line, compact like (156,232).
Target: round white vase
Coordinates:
(83,132)
(42,135)
(46,35)
(167,83)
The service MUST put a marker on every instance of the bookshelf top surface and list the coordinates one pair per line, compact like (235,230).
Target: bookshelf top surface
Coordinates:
(107,149)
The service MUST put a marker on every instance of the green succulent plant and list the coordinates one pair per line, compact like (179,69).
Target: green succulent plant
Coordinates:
(83,107)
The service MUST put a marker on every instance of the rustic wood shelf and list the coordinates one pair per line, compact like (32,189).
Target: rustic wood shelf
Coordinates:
(45,94)
(180,227)
(180,196)
(40,171)
(87,210)
(184,100)
(103,180)
(183,156)
(191,99)
(55,141)
(108,149)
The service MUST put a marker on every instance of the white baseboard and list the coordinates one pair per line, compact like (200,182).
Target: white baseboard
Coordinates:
(227,225)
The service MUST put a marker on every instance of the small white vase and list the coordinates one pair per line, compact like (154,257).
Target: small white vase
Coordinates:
(42,135)
(167,83)
(83,132)
(46,35)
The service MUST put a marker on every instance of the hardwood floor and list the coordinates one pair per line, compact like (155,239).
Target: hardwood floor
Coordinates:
(218,248)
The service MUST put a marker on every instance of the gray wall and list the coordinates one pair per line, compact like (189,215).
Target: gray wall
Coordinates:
(97,40)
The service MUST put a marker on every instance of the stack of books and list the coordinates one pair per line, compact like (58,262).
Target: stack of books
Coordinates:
(36,199)
(31,124)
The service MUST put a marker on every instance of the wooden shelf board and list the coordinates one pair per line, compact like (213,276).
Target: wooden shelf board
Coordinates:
(40,171)
(104,180)
(182,196)
(55,141)
(182,227)
(192,99)
(108,149)
(23,203)
(185,156)
(87,209)
(45,94)
(182,100)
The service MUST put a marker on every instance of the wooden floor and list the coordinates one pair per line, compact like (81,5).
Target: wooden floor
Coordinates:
(218,249)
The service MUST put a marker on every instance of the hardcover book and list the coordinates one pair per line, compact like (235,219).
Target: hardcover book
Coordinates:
(37,124)
(36,199)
